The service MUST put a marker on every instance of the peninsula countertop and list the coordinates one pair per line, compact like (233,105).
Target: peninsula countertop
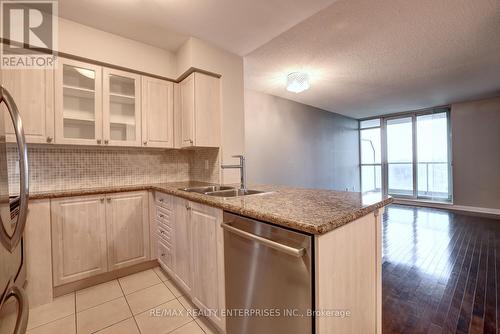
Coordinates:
(314,211)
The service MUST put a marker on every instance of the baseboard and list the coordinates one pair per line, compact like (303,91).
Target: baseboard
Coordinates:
(487,212)
(103,278)
(475,209)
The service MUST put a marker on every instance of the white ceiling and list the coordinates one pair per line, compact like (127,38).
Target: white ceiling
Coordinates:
(365,57)
(371,57)
(239,26)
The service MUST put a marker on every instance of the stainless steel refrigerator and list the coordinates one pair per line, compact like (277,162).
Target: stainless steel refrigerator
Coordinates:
(13,211)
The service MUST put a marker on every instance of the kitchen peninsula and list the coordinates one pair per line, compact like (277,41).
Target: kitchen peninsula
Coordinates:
(345,228)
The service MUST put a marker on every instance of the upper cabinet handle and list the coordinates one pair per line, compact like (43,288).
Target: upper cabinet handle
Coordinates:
(11,241)
(49,139)
(106,141)
(98,141)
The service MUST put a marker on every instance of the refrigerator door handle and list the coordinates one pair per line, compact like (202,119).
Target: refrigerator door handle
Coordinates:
(13,291)
(10,242)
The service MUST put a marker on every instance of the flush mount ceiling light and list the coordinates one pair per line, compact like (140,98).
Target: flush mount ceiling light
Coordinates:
(297,82)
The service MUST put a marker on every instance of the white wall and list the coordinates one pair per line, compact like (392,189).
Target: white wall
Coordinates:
(476,153)
(84,41)
(294,144)
(197,53)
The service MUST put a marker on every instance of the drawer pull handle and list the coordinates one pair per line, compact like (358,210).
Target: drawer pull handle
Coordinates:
(163,254)
(162,232)
(162,216)
(161,200)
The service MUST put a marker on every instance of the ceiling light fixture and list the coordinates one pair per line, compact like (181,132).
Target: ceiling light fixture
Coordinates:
(297,82)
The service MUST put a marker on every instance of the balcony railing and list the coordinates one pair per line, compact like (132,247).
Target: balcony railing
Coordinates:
(432,179)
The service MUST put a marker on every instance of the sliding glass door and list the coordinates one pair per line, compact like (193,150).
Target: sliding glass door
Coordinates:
(408,155)
(400,156)
(433,167)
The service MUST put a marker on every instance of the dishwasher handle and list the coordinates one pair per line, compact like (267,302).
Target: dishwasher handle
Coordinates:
(297,252)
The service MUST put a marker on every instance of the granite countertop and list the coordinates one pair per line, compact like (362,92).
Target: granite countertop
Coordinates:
(312,211)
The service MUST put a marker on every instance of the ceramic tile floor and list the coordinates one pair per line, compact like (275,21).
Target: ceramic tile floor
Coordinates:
(121,306)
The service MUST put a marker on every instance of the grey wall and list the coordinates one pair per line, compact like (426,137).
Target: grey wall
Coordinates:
(294,144)
(476,153)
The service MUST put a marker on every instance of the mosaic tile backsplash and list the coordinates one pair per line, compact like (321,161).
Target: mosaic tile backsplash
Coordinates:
(63,167)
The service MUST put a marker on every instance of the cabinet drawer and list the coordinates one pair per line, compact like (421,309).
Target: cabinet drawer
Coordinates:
(163,200)
(163,216)
(165,254)
(164,232)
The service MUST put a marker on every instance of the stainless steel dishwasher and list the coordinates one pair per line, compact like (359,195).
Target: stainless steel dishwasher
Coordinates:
(268,273)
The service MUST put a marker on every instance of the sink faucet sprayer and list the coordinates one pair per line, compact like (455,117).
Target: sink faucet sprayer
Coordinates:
(242,168)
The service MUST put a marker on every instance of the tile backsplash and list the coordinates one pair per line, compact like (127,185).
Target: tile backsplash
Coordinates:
(64,167)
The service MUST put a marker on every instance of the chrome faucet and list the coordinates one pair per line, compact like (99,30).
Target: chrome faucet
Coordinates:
(242,168)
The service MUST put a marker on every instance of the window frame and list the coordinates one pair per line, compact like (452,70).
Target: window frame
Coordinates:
(383,151)
(361,164)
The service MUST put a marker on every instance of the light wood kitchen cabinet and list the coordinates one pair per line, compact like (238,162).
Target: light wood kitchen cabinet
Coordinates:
(157,113)
(182,244)
(96,234)
(33,92)
(196,245)
(207,260)
(121,108)
(164,226)
(38,250)
(127,229)
(79,247)
(78,103)
(348,263)
(199,96)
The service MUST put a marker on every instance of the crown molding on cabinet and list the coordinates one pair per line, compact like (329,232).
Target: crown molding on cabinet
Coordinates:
(121,68)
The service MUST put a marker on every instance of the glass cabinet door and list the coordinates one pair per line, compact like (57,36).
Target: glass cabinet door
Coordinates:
(78,103)
(122,103)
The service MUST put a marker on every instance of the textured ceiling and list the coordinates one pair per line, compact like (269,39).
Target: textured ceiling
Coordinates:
(239,26)
(372,57)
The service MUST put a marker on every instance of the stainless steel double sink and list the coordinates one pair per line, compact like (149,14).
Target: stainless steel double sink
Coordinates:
(222,191)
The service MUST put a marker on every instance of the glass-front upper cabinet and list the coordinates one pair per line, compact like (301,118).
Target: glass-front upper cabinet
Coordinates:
(121,108)
(78,103)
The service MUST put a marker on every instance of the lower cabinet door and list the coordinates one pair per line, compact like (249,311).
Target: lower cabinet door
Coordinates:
(127,229)
(165,255)
(208,260)
(78,238)
(182,244)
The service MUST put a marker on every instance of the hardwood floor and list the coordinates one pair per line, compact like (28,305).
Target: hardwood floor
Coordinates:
(440,272)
